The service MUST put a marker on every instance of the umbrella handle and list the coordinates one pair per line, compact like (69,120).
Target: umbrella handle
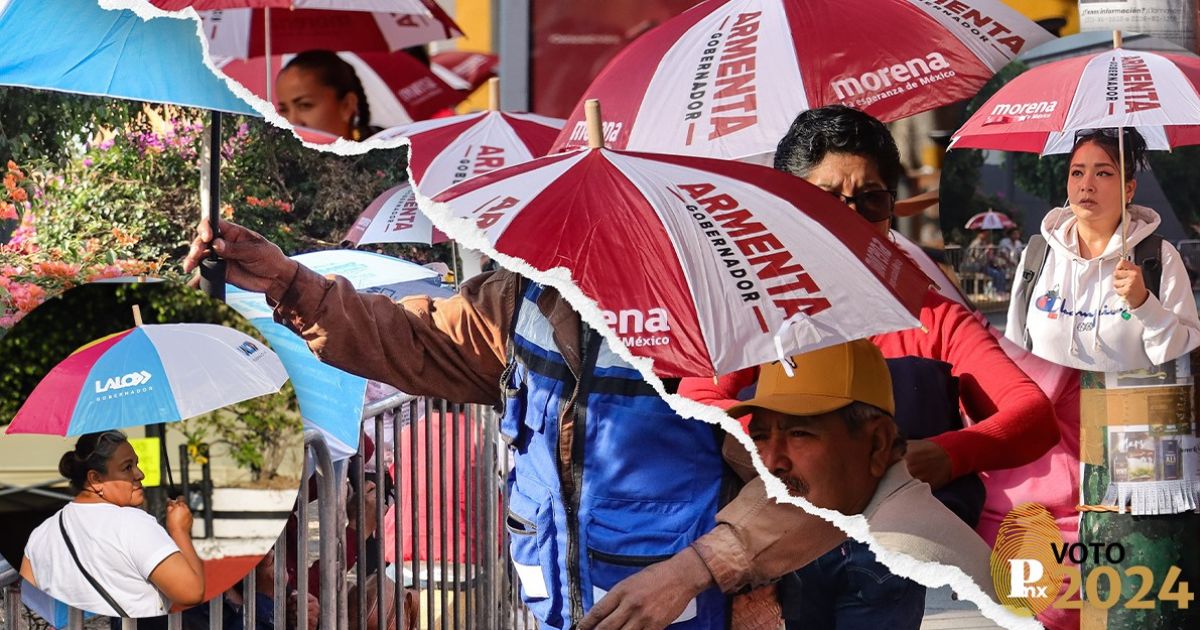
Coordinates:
(162,445)
(212,278)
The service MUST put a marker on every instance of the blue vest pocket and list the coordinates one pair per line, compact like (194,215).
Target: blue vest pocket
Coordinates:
(530,528)
(608,568)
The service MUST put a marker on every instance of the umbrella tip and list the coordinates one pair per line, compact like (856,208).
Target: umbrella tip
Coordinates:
(493,94)
(1117,39)
(595,127)
(137,315)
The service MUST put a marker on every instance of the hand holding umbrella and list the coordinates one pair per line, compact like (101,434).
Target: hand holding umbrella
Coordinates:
(1129,283)
(253,262)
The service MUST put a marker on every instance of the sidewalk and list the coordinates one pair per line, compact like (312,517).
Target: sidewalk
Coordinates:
(944,613)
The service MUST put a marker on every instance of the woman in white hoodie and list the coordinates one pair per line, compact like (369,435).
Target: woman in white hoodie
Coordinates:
(1089,308)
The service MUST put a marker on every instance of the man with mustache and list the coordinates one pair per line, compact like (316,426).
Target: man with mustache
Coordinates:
(823,426)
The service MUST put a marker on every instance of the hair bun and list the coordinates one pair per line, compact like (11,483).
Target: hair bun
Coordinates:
(71,465)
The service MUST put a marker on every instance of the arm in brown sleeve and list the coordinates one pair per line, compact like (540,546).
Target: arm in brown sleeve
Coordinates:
(757,539)
(452,348)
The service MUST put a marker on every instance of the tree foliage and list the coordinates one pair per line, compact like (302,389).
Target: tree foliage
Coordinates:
(99,188)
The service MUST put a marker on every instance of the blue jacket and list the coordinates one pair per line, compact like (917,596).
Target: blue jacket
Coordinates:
(607,479)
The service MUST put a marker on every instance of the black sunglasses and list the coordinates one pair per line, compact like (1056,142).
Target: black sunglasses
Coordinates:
(116,437)
(872,205)
(1108,132)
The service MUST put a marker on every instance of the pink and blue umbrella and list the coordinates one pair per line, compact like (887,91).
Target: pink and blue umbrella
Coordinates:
(147,375)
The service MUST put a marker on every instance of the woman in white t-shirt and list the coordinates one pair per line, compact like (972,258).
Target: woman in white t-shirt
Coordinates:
(135,563)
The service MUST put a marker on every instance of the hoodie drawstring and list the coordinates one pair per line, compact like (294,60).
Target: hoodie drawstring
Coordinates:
(1076,266)
(1100,307)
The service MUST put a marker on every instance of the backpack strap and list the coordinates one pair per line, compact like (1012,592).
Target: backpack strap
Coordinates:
(1148,255)
(88,576)
(1036,253)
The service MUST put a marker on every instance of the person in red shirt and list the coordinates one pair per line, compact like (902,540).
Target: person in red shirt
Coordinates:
(1008,420)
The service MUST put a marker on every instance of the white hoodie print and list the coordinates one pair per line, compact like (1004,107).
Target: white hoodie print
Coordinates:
(1075,317)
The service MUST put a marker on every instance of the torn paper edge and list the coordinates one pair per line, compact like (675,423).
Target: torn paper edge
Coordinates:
(929,574)
(147,11)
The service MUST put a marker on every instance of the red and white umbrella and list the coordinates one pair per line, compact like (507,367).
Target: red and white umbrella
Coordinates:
(399,88)
(727,77)
(1040,110)
(990,220)
(358,25)
(315,136)
(445,151)
(394,218)
(705,266)
(464,69)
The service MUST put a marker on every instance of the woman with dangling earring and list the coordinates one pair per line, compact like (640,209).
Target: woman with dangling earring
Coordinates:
(1090,304)
(103,553)
(320,90)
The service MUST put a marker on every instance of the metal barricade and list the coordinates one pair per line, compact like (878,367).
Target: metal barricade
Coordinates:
(452,565)
(446,479)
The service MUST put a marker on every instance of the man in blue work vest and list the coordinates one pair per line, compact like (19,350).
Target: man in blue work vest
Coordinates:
(608,479)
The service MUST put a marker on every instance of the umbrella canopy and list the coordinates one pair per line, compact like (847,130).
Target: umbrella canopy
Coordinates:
(446,151)
(990,220)
(210,5)
(464,70)
(360,25)
(394,218)
(108,53)
(147,375)
(702,265)
(727,77)
(1040,110)
(399,88)
(315,136)
(331,400)
(365,270)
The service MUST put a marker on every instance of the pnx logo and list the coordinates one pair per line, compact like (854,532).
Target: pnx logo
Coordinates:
(132,379)
(248,348)
(1033,569)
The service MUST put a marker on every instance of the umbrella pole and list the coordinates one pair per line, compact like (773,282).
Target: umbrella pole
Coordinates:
(454,259)
(212,269)
(1121,158)
(267,46)
(166,457)
(1124,201)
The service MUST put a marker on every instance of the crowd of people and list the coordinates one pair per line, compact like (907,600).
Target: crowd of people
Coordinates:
(697,550)
(622,513)
(998,262)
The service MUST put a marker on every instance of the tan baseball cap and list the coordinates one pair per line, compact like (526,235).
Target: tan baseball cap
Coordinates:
(824,380)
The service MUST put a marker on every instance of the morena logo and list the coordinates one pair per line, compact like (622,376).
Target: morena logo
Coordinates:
(1024,109)
(133,379)
(887,76)
(635,322)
